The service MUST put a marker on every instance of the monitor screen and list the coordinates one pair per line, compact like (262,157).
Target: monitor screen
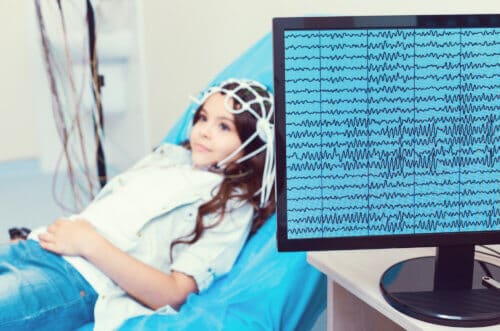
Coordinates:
(387,131)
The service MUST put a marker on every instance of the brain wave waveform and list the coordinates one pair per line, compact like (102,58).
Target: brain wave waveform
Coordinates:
(392,131)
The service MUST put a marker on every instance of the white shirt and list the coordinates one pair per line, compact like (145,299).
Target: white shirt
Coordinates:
(142,211)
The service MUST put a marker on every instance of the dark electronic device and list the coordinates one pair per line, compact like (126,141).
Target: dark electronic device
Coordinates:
(388,135)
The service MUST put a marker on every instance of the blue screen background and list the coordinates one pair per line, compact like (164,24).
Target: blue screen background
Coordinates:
(392,131)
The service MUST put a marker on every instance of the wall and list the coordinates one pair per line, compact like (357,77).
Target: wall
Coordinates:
(187,42)
(17,122)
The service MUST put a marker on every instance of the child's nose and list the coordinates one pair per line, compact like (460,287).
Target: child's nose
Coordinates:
(206,130)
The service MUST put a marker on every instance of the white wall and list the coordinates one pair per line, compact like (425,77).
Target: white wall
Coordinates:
(17,123)
(187,42)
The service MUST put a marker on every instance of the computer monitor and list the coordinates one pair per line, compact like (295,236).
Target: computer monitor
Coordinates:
(388,135)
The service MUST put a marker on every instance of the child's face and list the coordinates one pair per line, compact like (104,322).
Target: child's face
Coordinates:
(214,136)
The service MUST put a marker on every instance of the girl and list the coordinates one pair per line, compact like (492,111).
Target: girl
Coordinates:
(162,230)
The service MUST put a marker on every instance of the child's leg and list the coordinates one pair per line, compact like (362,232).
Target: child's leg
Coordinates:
(41,291)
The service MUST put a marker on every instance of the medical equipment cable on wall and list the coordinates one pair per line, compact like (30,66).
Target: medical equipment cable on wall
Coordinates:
(68,106)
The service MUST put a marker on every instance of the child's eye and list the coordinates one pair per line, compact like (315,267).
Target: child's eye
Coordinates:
(202,118)
(225,127)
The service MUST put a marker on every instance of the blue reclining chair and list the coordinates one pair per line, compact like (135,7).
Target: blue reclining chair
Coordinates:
(265,290)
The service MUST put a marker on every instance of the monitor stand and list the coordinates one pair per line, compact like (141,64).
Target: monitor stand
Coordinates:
(445,289)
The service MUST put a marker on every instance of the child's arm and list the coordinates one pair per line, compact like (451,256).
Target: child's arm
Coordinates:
(146,284)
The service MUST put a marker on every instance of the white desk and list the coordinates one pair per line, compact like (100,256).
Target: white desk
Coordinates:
(354,300)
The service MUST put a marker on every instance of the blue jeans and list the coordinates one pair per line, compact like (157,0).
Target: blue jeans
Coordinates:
(41,291)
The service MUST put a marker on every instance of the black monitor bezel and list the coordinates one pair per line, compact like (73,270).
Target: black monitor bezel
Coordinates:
(282,24)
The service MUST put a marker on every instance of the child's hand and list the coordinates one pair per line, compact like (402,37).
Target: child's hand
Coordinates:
(68,237)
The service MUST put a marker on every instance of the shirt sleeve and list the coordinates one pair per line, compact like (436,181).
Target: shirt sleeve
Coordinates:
(214,254)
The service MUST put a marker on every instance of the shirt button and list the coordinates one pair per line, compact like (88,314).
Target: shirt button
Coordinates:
(139,234)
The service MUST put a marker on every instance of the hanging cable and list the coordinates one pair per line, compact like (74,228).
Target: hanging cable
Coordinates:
(97,83)
(71,115)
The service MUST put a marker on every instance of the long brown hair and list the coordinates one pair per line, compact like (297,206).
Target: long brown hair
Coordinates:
(241,181)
